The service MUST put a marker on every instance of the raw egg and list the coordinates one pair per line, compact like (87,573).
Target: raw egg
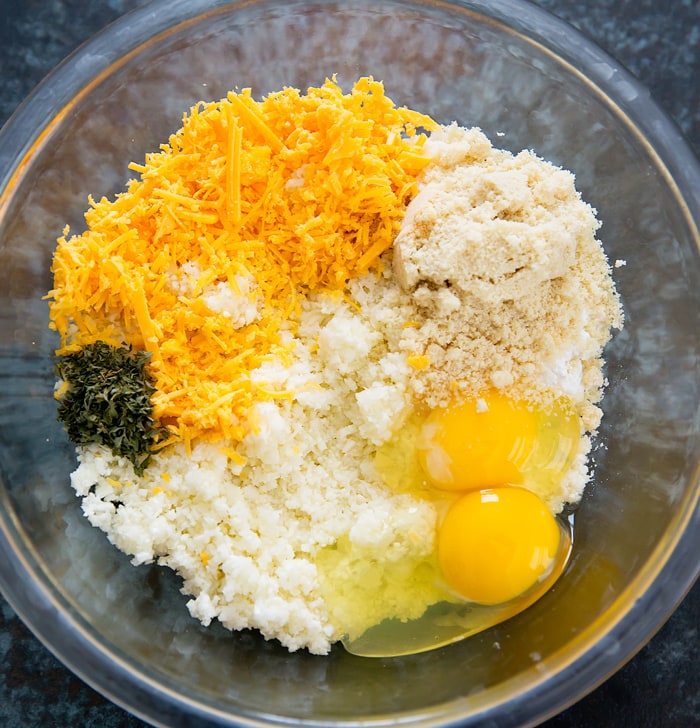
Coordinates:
(494,440)
(495,544)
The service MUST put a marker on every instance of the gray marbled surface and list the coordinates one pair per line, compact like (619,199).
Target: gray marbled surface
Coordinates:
(658,42)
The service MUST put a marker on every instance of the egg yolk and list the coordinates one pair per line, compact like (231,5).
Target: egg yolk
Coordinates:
(494,544)
(494,440)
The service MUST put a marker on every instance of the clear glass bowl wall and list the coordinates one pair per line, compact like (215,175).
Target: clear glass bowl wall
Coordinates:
(528,83)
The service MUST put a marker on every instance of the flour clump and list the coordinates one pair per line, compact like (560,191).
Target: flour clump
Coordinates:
(500,255)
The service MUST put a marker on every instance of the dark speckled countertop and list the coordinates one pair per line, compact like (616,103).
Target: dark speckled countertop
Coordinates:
(659,42)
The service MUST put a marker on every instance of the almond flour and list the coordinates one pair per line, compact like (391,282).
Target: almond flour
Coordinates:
(513,289)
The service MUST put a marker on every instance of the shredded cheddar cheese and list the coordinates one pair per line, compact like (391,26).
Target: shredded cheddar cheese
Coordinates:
(260,202)
(418,361)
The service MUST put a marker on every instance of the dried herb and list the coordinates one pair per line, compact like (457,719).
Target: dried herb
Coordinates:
(108,401)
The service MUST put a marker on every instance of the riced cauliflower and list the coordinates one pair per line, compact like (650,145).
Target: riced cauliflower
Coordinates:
(255,536)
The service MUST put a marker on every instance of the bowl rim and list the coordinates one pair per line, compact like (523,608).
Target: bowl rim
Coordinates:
(629,628)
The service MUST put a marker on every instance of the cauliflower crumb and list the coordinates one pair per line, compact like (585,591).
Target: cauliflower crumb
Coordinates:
(271,531)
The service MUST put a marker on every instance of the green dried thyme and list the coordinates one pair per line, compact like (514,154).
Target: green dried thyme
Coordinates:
(107,400)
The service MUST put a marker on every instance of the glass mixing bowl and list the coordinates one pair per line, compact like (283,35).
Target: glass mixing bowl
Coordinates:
(528,81)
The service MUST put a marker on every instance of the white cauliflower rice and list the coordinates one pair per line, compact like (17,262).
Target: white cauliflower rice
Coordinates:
(245,539)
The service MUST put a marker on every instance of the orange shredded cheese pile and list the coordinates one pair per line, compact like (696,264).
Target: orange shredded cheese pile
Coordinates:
(294,194)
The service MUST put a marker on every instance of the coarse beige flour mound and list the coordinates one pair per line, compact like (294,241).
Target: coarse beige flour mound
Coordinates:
(500,255)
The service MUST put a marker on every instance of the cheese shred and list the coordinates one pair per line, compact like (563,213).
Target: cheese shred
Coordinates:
(250,206)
